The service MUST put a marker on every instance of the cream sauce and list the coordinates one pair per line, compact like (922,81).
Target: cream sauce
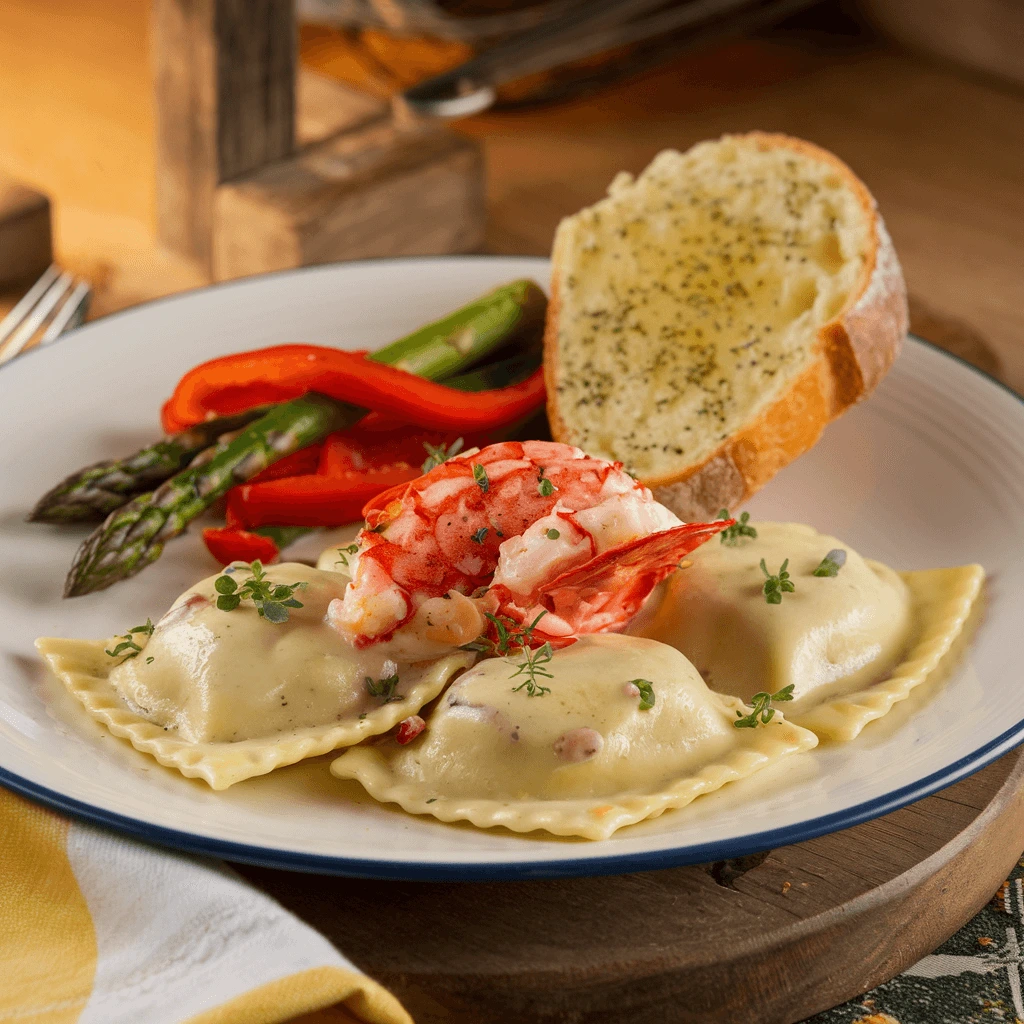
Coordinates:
(212,676)
(832,635)
(587,737)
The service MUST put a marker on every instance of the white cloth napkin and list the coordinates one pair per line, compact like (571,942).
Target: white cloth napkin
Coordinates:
(99,929)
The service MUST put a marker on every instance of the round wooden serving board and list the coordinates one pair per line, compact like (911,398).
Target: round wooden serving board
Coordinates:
(770,939)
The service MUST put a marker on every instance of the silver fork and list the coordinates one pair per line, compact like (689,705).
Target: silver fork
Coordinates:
(56,301)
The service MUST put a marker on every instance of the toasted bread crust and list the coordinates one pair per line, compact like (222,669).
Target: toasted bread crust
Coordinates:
(856,349)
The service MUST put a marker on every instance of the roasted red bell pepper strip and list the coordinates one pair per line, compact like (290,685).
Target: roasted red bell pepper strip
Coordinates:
(231,382)
(360,449)
(313,500)
(283,372)
(486,377)
(229,545)
(233,544)
(356,462)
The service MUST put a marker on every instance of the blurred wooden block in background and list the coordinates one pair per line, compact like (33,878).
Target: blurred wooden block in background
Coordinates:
(224,80)
(259,168)
(25,246)
(361,185)
(375,190)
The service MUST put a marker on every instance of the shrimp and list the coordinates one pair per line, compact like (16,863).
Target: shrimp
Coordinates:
(514,529)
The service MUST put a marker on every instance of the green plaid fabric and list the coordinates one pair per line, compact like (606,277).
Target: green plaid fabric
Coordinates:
(974,978)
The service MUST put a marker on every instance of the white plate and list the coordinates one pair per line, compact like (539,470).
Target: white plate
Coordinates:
(930,472)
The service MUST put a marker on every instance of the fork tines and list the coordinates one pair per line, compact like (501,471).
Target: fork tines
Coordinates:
(54,301)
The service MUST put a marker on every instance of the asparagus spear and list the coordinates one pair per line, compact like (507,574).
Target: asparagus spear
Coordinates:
(499,374)
(513,312)
(91,494)
(134,535)
(442,347)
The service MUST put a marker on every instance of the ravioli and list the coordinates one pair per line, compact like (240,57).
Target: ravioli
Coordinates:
(850,645)
(337,556)
(580,760)
(224,696)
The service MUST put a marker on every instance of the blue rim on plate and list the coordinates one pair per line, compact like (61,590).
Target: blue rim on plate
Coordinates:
(275,857)
(615,864)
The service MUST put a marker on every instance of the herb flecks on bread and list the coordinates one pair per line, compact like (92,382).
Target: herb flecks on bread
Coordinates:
(711,316)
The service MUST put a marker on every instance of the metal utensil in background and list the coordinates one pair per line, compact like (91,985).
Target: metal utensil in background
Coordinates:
(54,301)
(436,19)
(605,24)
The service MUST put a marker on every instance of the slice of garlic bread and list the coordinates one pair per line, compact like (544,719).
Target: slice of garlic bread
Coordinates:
(711,316)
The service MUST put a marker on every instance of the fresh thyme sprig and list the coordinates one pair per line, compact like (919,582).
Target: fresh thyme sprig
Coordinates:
(481,478)
(509,633)
(438,454)
(763,711)
(532,667)
(831,563)
(511,636)
(778,584)
(384,688)
(732,535)
(272,601)
(128,647)
(343,554)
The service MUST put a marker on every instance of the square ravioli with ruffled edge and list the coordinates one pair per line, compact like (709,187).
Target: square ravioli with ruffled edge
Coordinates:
(579,742)
(227,695)
(851,637)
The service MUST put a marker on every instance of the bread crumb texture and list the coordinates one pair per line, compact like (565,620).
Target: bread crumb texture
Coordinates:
(692,296)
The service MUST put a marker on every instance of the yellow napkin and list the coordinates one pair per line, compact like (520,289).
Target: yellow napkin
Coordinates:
(99,929)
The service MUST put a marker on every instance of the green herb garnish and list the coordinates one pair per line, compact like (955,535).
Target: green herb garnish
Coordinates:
(553,534)
(647,698)
(545,488)
(272,600)
(480,476)
(532,667)
(741,528)
(831,563)
(384,688)
(438,454)
(510,635)
(343,554)
(480,534)
(763,711)
(777,585)
(128,647)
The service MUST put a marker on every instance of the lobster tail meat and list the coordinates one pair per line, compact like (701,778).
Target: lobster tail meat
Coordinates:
(513,526)
(604,593)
